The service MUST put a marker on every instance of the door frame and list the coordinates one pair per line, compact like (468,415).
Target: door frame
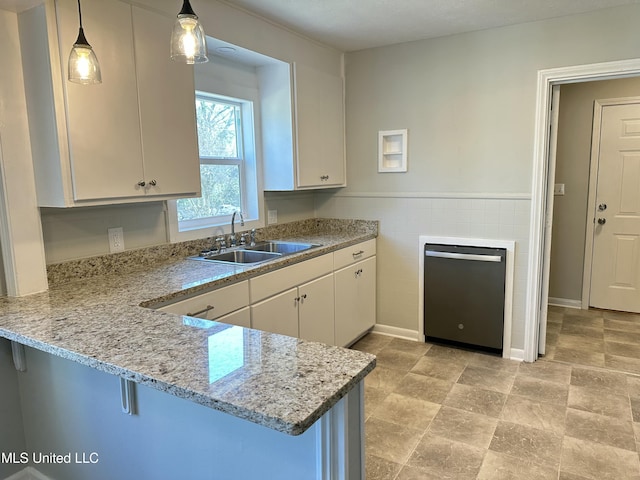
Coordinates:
(541,214)
(593,185)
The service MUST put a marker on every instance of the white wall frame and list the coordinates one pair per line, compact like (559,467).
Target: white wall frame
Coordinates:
(510,247)
(540,213)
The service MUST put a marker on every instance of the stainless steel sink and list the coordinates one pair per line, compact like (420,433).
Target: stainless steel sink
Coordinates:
(258,253)
(244,257)
(284,248)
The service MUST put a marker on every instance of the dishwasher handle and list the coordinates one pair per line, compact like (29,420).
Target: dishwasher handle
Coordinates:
(463,256)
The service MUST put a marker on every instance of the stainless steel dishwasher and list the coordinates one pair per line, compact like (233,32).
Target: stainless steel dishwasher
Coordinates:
(464,295)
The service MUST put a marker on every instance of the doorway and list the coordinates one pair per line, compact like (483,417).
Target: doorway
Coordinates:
(543,182)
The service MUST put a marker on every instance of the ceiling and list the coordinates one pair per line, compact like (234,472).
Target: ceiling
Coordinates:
(350,25)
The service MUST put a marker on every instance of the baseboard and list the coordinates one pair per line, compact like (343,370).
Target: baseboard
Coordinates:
(565,302)
(397,332)
(28,473)
(517,354)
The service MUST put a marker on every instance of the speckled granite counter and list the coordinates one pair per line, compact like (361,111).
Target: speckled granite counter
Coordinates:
(283,383)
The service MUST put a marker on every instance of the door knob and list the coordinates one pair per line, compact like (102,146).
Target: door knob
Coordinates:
(602,207)
(602,221)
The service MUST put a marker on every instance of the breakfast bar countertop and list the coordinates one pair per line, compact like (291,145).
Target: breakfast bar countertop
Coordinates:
(99,320)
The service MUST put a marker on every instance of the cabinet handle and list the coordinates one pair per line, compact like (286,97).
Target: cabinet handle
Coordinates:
(142,183)
(153,183)
(358,273)
(324,177)
(200,312)
(357,254)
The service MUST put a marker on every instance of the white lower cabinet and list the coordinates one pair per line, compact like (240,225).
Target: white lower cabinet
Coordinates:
(355,300)
(305,311)
(277,314)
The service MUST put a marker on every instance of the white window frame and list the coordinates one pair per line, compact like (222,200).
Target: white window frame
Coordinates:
(251,189)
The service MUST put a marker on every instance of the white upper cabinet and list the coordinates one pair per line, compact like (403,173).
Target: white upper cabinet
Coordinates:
(130,138)
(302,127)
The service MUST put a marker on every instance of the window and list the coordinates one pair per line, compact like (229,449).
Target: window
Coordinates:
(227,167)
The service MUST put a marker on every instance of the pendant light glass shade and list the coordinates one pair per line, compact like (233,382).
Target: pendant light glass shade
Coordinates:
(188,42)
(83,63)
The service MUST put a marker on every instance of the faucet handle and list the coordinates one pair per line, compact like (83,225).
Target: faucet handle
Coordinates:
(253,237)
(243,238)
(221,242)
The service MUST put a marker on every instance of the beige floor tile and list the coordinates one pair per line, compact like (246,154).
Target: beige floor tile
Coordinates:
(571,476)
(415,473)
(424,388)
(407,411)
(582,331)
(622,336)
(409,346)
(622,364)
(384,379)
(372,343)
(462,426)
(541,390)
(487,378)
(446,459)
(595,321)
(476,400)
(624,316)
(581,342)
(389,441)
(435,367)
(494,362)
(372,398)
(498,466)
(377,468)
(635,408)
(613,382)
(580,357)
(633,385)
(611,324)
(595,400)
(622,349)
(554,327)
(548,371)
(396,359)
(597,461)
(450,354)
(527,443)
(600,429)
(531,413)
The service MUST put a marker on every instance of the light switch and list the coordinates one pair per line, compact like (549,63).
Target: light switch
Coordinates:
(558,189)
(272,216)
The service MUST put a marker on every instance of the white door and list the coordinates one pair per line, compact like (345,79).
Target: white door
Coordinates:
(316,310)
(277,314)
(615,270)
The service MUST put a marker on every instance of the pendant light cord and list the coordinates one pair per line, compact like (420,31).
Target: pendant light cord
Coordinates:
(80,14)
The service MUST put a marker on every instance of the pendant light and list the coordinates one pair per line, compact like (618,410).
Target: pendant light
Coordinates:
(188,42)
(83,63)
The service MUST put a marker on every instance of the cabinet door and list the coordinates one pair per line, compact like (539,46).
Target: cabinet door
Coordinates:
(277,314)
(316,312)
(102,120)
(241,317)
(319,118)
(355,289)
(166,94)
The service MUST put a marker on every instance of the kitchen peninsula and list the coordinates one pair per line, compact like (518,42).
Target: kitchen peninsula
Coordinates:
(211,400)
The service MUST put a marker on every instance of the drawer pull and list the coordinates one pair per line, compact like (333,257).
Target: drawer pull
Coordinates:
(200,312)
(357,254)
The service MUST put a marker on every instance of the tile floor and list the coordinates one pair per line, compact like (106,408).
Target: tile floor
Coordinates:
(434,412)
(598,338)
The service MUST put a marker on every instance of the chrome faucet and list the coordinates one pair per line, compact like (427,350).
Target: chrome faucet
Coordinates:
(232,238)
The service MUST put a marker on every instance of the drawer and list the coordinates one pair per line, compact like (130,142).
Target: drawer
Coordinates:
(223,300)
(271,283)
(353,254)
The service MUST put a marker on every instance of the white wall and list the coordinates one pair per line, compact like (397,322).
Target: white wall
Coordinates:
(469,104)
(11,428)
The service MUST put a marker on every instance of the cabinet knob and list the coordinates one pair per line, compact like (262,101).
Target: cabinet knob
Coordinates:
(602,221)
(142,183)
(153,183)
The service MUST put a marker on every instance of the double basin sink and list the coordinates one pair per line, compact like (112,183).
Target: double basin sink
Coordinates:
(258,253)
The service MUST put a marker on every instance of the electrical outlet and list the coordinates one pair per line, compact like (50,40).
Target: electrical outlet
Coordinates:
(272,216)
(116,240)
(558,189)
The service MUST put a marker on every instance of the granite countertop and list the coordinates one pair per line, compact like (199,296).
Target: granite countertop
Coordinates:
(100,321)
